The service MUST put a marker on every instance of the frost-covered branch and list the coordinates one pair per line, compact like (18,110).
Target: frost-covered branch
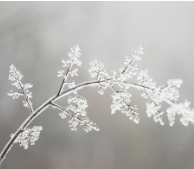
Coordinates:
(74,119)
(121,101)
(15,76)
(39,111)
(169,94)
(73,55)
(119,82)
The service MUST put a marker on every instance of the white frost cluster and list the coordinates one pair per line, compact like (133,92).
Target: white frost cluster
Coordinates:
(131,68)
(121,98)
(168,93)
(28,136)
(97,70)
(77,104)
(121,102)
(85,122)
(88,125)
(77,107)
(74,54)
(181,109)
(145,79)
(15,76)
(153,110)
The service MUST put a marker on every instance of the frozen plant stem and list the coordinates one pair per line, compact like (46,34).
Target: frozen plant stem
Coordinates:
(78,104)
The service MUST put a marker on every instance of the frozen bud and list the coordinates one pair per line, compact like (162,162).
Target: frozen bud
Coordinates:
(61,73)
(83,113)
(74,72)
(175,82)
(14,94)
(25,103)
(62,115)
(101,92)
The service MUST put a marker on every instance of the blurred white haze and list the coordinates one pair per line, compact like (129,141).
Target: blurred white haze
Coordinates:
(35,36)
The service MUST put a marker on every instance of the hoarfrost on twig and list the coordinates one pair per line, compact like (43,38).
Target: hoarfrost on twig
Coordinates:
(75,119)
(117,81)
(15,76)
(28,136)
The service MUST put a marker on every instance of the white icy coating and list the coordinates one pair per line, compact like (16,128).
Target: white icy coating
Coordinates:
(61,73)
(73,55)
(63,115)
(88,125)
(15,76)
(181,109)
(75,110)
(168,93)
(77,106)
(153,110)
(121,98)
(75,120)
(14,94)
(121,101)
(165,93)
(131,68)
(28,136)
(97,70)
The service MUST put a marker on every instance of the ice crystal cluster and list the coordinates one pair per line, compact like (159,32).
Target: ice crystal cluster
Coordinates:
(76,108)
(119,82)
(28,136)
(15,76)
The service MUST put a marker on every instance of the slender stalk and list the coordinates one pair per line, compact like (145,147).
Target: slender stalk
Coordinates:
(26,98)
(128,66)
(62,84)
(64,79)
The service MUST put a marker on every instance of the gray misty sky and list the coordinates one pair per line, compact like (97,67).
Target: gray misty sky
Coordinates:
(35,36)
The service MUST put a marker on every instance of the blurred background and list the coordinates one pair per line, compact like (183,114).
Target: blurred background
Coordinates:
(35,36)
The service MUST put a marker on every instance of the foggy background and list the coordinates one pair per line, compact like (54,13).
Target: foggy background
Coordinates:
(35,36)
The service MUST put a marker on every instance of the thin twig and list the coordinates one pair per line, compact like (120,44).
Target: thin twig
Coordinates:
(26,98)
(64,79)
